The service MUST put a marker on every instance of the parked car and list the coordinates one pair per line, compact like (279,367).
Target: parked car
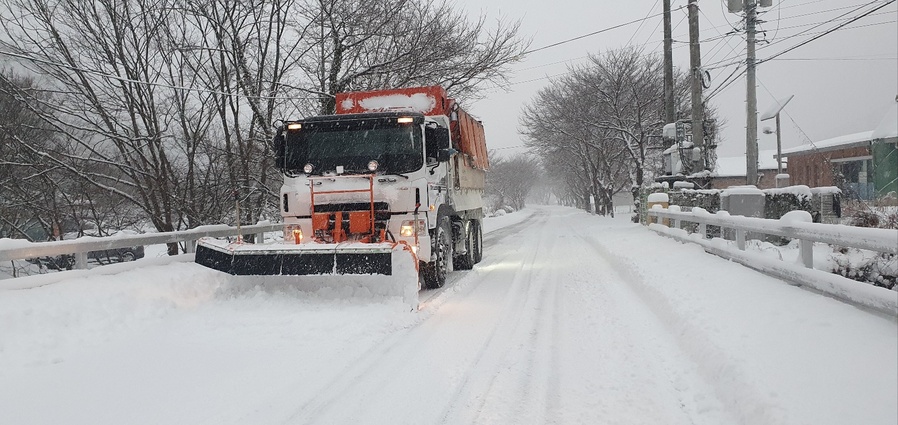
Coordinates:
(106,256)
(116,255)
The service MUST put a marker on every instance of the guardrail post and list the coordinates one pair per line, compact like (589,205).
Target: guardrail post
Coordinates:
(80,260)
(703,229)
(740,239)
(260,237)
(806,249)
(190,246)
(677,223)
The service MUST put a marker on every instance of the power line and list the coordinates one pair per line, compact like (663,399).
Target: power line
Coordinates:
(145,83)
(827,32)
(831,20)
(821,33)
(594,33)
(643,21)
(806,32)
(733,77)
(837,59)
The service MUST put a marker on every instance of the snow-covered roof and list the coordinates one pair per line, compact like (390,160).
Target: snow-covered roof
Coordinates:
(888,127)
(841,142)
(734,166)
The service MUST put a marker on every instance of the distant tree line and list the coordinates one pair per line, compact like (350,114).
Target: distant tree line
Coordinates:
(510,180)
(161,111)
(597,129)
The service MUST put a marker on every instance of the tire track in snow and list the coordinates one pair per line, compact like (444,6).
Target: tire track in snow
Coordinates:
(692,386)
(486,364)
(381,360)
(527,396)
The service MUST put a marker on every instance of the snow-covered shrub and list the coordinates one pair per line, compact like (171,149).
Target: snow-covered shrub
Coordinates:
(779,202)
(865,219)
(880,269)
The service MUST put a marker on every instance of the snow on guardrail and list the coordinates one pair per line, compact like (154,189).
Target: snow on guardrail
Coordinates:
(795,226)
(17,249)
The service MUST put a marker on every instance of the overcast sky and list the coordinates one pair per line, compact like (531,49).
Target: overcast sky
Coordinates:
(843,83)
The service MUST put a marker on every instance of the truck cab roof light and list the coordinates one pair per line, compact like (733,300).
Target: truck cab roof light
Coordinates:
(294,126)
(405,120)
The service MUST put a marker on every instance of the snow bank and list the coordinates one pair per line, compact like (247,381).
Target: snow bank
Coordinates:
(491,224)
(859,293)
(774,353)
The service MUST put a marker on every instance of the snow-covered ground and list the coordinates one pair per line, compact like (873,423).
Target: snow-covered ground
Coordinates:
(570,318)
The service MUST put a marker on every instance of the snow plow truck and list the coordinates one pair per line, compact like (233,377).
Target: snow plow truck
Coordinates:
(395,177)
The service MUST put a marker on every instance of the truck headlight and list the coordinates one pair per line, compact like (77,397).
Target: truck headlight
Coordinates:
(407,229)
(292,232)
(373,165)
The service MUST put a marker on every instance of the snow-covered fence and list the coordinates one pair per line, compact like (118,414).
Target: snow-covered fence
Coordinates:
(795,225)
(17,249)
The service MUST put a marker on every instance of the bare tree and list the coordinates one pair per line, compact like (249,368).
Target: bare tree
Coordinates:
(557,126)
(245,52)
(510,180)
(606,118)
(168,105)
(372,44)
(41,197)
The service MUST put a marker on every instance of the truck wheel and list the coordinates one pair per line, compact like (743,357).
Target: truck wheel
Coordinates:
(127,256)
(435,272)
(477,248)
(466,260)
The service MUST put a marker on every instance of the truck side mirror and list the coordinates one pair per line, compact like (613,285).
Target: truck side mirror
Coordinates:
(278,145)
(443,155)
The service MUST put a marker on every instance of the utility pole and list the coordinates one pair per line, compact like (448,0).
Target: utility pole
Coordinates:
(751,97)
(695,65)
(670,114)
(750,7)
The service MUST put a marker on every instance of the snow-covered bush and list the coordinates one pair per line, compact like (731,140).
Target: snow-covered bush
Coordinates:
(779,202)
(880,269)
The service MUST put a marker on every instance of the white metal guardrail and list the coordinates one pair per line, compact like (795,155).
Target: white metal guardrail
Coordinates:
(12,249)
(878,240)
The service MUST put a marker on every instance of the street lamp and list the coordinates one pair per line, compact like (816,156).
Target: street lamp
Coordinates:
(774,112)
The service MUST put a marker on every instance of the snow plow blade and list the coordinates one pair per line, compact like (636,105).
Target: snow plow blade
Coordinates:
(347,270)
(250,261)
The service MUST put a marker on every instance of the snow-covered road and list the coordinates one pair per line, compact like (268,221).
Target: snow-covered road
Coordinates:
(569,319)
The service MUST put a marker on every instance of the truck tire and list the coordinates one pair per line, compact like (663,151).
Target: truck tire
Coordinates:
(435,272)
(466,260)
(477,248)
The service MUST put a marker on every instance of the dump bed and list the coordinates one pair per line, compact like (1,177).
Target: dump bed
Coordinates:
(471,139)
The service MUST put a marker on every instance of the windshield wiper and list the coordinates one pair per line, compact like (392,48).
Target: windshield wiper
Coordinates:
(396,174)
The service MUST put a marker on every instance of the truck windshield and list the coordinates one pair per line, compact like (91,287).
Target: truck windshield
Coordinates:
(397,149)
